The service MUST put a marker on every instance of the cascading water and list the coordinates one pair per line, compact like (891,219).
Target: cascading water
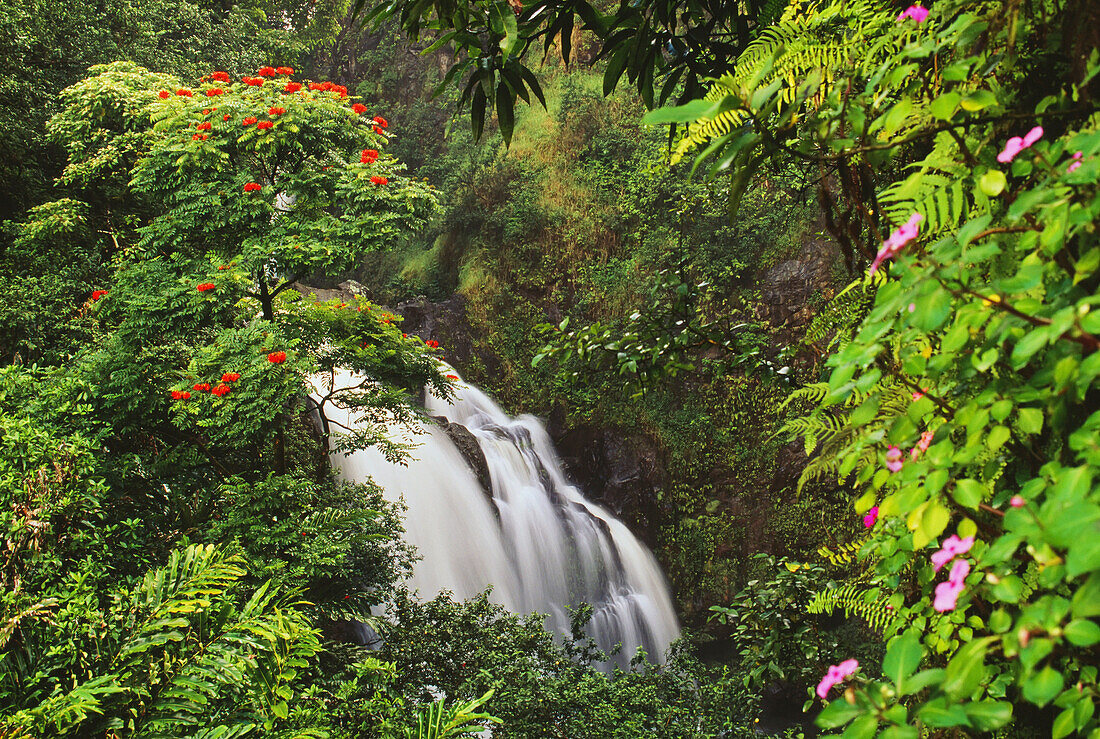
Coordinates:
(535,539)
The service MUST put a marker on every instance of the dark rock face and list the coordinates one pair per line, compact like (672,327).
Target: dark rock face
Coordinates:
(467,444)
(790,289)
(446,323)
(621,471)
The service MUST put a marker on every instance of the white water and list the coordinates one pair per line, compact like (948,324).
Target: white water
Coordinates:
(539,543)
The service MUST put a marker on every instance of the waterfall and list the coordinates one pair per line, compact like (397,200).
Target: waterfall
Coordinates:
(534,537)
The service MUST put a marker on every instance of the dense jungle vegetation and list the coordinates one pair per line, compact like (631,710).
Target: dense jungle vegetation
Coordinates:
(820,277)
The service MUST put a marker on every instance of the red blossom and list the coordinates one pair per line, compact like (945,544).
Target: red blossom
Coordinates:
(253,81)
(97,294)
(225,117)
(248,121)
(285,70)
(204,286)
(204,126)
(276,357)
(221,389)
(266,71)
(264,125)
(432,344)
(206,111)
(220,77)
(199,137)
(180,395)
(164,94)
(369,156)
(379,180)
(316,86)
(214,92)
(252,186)
(183,93)
(359,108)
(224,266)
(452,377)
(292,87)
(276,111)
(340,90)
(231,377)
(201,387)
(381,122)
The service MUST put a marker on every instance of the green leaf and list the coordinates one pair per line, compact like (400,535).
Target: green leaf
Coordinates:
(1030,420)
(1042,687)
(968,493)
(978,100)
(1082,632)
(993,182)
(988,715)
(837,713)
(966,669)
(902,657)
(945,106)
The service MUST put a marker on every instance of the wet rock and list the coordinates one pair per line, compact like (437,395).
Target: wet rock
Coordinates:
(468,446)
(621,471)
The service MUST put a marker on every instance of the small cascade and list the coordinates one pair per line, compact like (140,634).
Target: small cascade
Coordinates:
(534,537)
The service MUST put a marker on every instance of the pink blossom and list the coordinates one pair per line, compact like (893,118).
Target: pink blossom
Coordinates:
(893,459)
(1075,164)
(836,674)
(951,547)
(916,12)
(1017,502)
(947,593)
(870,518)
(899,238)
(1016,144)
(923,444)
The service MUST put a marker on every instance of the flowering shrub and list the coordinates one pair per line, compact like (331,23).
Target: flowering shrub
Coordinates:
(980,353)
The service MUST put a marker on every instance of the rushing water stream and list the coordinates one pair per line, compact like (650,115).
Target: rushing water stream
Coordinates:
(536,539)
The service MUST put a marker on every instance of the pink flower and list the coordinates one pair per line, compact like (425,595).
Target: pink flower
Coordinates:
(893,459)
(1075,163)
(918,396)
(899,238)
(1016,144)
(951,547)
(1017,502)
(922,445)
(947,593)
(870,518)
(836,674)
(916,12)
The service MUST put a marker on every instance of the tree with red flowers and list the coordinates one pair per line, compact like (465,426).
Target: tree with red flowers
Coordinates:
(256,184)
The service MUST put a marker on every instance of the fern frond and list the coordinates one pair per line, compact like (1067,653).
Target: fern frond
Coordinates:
(857,600)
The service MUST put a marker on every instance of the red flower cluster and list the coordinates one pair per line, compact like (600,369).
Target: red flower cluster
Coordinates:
(231,377)
(221,389)
(380,121)
(264,125)
(183,93)
(359,108)
(276,357)
(452,377)
(201,387)
(329,87)
(252,186)
(379,180)
(253,81)
(266,71)
(224,266)
(369,156)
(214,92)
(204,126)
(97,294)
(180,395)
(199,137)
(285,70)
(276,111)
(432,344)
(220,77)
(292,87)
(164,94)
(248,121)
(225,117)
(204,286)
